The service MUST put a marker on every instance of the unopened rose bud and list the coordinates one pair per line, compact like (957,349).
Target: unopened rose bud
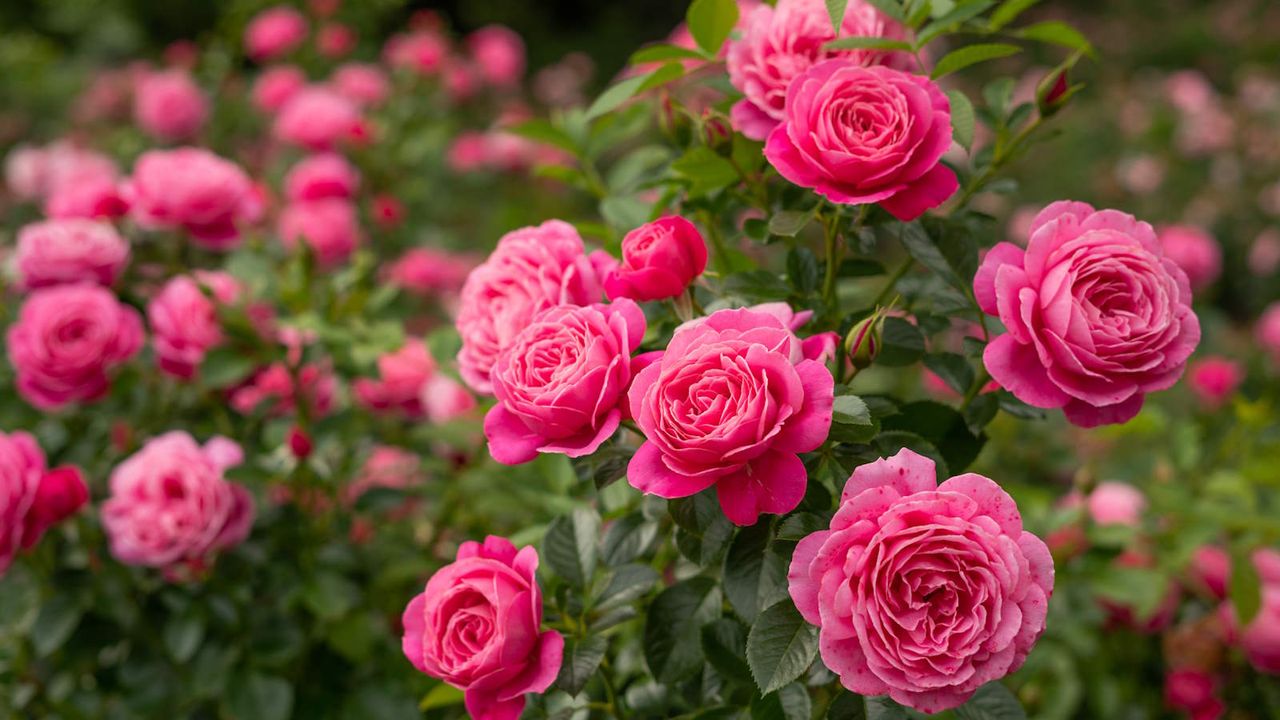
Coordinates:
(673,121)
(1056,89)
(717,134)
(299,443)
(862,344)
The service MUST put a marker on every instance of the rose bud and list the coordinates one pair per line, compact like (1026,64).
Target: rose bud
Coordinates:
(659,260)
(862,344)
(299,443)
(716,133)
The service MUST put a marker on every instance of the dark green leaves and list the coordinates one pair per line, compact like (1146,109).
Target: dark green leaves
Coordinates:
(780,647)
(847,707)
(962,118)
(673,628)
(867,43)
(1008,11)
(954,370)
(958,60)
(901,343)
(624,90)
(993,701)
(58,618)
(570,546)
(851,410)
(1245,587)
(836,9)
(710,22)
(703,532)
(261,697)
(754,576)
(627,538)
(1056,32)
(724,643)
(943,428)
(949,252)
(789,223)
(183,634)
(581,658)
(704,170)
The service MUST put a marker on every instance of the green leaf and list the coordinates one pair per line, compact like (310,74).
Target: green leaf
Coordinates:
(581,658)
(261,697)
(850,410)
(223,366)
(663,53)
(962,118)
(780,646)
(890,442)
(570,546)
(953,369)
(950,253)
(952,19)
(1244,587)
(860,267)
(1140,589)
(704,532)
(711,21)
(56,621)
(627,538)
(1056,32)
(624,90)
(882,708)
(836,10)
(673,628)
(901,343)
(791,702)
(705,170)
(971,55)
(892,8)
(441,695)
(627,583)
(943,427)
(801,525)
(330,595)
(1008,11)
(724,643)
(183,634)
(789,223)
(866,43)
(847,707)
(802,270)
(754,577)
(993,701)
(544,132)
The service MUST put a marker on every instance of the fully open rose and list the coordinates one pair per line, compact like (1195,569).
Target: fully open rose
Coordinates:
(730,403)
(478,626)
(922,591)
(1097,317)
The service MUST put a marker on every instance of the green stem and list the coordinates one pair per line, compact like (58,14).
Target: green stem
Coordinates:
(897,275)
(978,383)
(1002,154)
(717,241)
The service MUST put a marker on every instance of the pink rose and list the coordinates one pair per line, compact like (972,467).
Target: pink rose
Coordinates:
(561,380)
(1260,639)
(478,626)
(169,105)
(404,373)
(64,164)
(24,172)
(363,84)
(328,226)
(334,40)
(195,190)
(96,196)
(468,152)
(859,135)
(273,391)
(386,467)
(1195,251)
(1268,331)
(922,591)
(56,252)
(445,399)
(1210,569)
(499,53)
(184,319)
(33,498)
(274,32)
(730,403)
(1194,692)
(388,212)
(317,118)
(1215,379)
(532,269)
(326,175)
(67,340)
(422,51)
(779,43)
(1264,253)
(430,272)
(1096,316)
(659,260)
(1116,503)
(276,86)
(171,506)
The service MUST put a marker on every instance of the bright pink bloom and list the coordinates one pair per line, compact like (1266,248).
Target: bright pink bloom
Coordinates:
(329,227)
(922,591)
(859,135)
(325,175)
(1268,331)
(318,118)
(276,86)
(730,403)
(388,212)
(779,43)
(560,383)
(499,53)
(469,152)
(659,260)
(184,319)
(1096,316)
(1195,251)
(67,340)
(34,173)
(363,84)
(93,197)
(170,504)
(273,391)
(445,399)
(1194,692)
(335,40)
(1215,379)
(1116,503)
(422,51)
(192,189)
(478,626)
(274,32)
(404,373)
(532,269)
(33,498)
(169,105)
(57,252)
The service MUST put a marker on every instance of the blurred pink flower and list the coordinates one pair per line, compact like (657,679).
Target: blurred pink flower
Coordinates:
(169,105)
(499,53)
(328,226)
(276,86)
(1214,379)
(318,118)
(1195,251)
(274,32)
(361,83)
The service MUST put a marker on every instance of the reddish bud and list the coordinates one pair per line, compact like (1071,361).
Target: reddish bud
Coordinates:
(299,443)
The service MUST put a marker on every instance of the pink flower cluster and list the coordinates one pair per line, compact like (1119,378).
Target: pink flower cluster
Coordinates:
(413,386)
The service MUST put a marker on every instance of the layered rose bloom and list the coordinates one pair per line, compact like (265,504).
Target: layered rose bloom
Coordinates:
(276,86)
(325,175)
(329,227)
(561,381)
(66,342)
(194,190)
(404,373)
(532,269)
(56,252)
(659,260)
(170,505)
(1195,251)
(274,32)
(779,43)
(33,498)
(317,118)
(1096,316)
(730,403)
(921,591)
(478,626)
(184,319)
(169,105)
(858,135)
